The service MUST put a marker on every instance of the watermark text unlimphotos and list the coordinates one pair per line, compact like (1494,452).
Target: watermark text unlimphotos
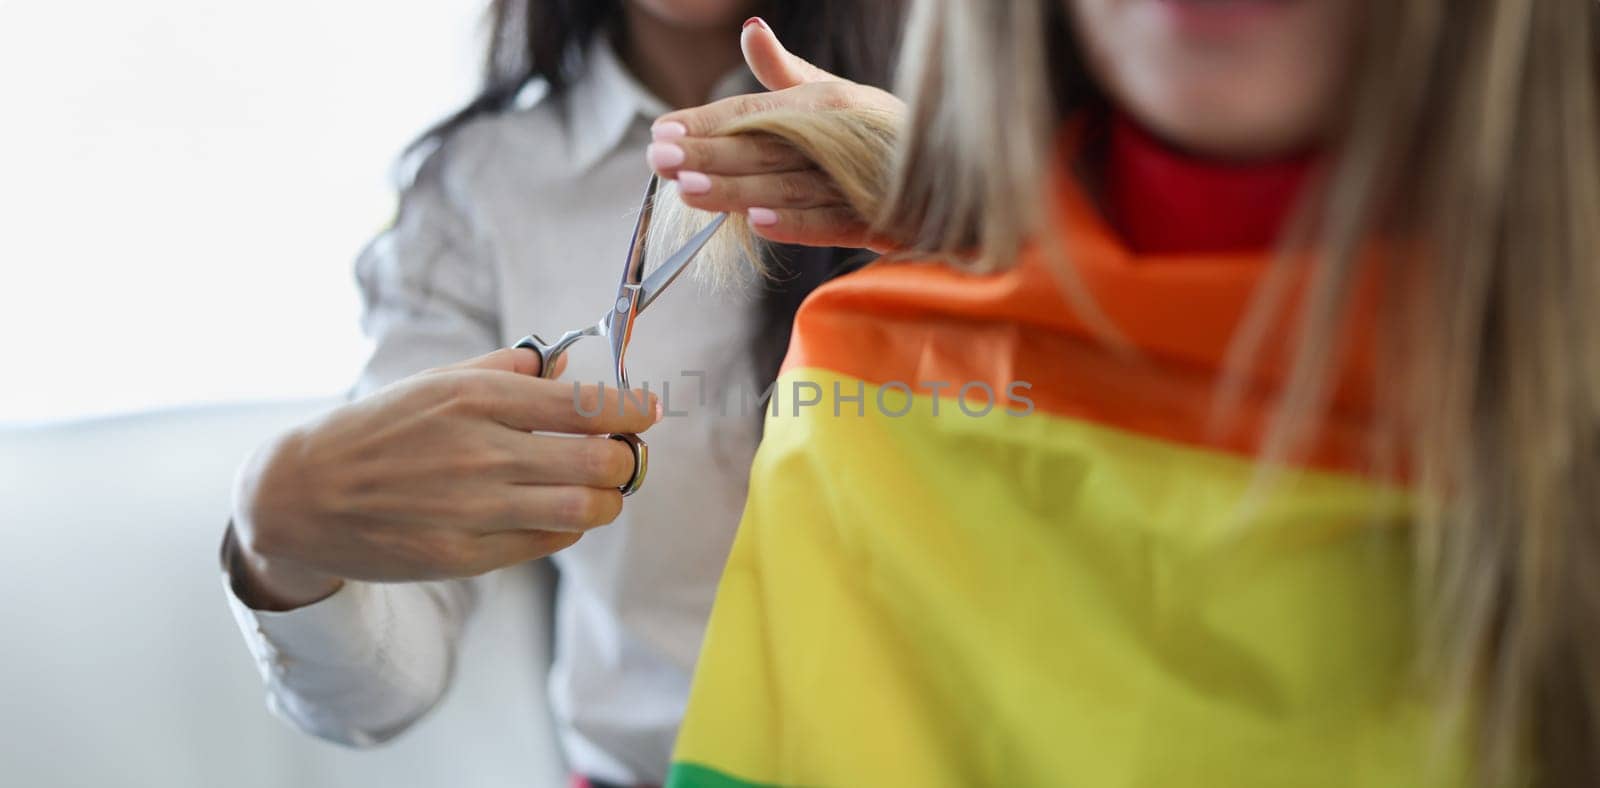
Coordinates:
(892,398)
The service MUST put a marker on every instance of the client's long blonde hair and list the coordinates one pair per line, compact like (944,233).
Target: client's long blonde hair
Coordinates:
(1473,133)
(854,147)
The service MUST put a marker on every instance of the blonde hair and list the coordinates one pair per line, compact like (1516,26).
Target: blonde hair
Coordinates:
(852,146)
(1473,134)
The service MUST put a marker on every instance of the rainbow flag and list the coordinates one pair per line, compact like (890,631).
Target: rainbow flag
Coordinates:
(1063,589)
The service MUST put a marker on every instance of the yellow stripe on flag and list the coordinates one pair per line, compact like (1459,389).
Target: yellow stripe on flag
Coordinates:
(1001,600)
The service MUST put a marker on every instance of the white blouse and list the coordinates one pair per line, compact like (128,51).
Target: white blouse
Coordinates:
(519,224)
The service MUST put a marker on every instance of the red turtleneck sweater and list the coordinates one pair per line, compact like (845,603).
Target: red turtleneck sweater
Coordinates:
(1164,201)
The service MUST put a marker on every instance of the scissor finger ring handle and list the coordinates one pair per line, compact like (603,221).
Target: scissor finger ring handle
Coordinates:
(641,461)
(550,352)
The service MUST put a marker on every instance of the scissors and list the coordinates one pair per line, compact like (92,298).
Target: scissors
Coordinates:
(636,293)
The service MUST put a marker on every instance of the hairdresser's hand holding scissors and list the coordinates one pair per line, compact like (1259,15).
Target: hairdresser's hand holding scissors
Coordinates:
(444,474)
(785,198)
(634,295)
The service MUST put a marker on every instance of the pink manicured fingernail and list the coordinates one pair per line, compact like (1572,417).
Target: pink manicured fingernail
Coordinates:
(756,20)
(661,412)
(762,217)
(691,182)
(664,154)
(668,130)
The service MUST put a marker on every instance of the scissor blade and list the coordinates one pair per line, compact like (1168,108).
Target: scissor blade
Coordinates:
(668,271)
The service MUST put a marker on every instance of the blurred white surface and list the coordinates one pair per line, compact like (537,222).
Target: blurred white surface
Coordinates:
(120,664)
(184,185)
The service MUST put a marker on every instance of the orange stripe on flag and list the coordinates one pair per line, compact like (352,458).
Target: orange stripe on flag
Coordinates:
(920,324)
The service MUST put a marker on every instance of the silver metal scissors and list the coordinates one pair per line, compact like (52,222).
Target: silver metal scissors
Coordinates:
(636,293)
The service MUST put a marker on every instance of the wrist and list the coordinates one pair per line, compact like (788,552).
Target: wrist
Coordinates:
(260,578)
(264,583)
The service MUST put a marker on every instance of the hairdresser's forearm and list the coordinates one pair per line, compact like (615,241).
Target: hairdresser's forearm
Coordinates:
(354,663)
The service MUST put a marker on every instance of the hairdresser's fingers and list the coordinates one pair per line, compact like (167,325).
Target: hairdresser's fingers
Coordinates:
(508,548)
(549,508)
(703,121)
(743,154)
(520,360)
(798,189)
(826,226)
(546,405)
(514,359)
(590,461)
(774,66)
(544,507)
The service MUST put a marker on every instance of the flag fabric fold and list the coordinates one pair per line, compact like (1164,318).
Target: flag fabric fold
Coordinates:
(985,547)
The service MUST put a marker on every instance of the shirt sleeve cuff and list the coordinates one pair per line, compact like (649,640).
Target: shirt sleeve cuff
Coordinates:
(343,628)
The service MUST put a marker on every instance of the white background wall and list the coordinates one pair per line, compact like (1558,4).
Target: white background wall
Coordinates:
(121,667)
(184,185)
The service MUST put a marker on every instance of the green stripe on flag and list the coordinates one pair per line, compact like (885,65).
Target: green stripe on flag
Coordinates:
(694,775)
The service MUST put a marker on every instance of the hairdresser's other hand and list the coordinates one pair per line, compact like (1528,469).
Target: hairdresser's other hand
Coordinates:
(785,198)
(436,476)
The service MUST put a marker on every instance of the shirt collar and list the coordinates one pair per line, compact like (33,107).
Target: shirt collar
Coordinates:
(606,100)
